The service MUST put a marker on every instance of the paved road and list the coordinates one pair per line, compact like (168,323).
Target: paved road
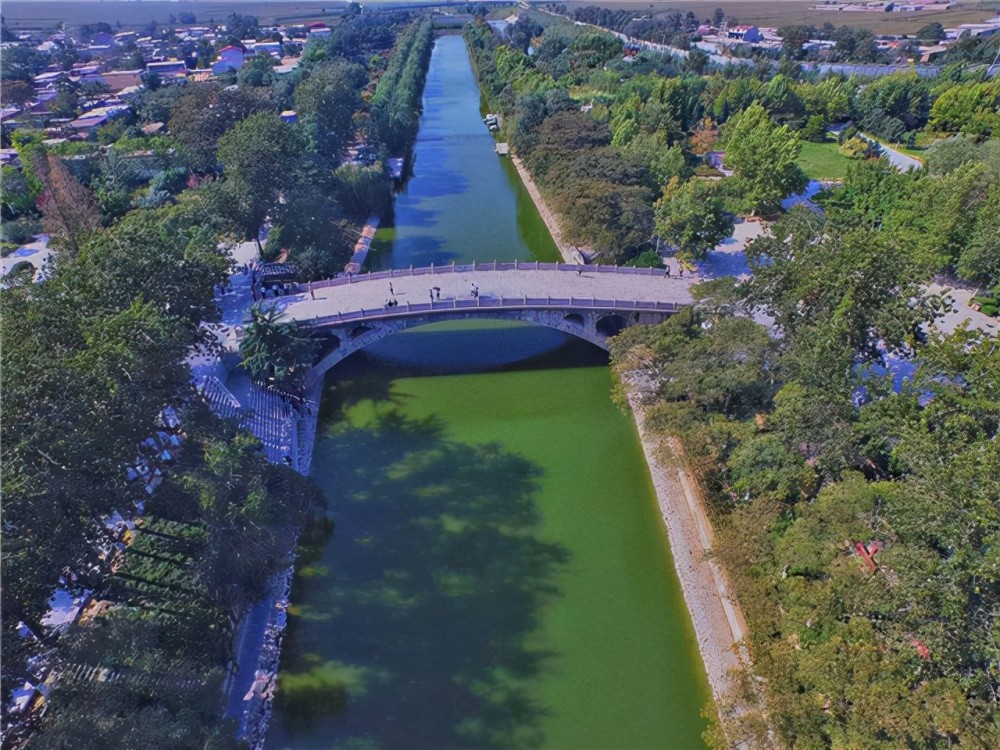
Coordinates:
(372,293)
(898,159)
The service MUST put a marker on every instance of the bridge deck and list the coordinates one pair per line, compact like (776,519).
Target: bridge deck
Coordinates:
(548,285)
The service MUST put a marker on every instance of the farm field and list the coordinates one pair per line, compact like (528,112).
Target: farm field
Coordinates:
(823,161)
(775,13)
(43,14)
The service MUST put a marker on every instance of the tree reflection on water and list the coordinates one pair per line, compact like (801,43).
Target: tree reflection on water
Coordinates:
(419,615)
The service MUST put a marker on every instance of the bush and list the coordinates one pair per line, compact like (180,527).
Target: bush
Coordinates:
(846,134)
(814,129)
(706,170)
(171,181)
(856,148)
(20,231)
(646,259)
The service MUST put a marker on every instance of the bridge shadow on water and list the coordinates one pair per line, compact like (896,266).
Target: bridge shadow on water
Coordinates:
(450,348)
(413,625)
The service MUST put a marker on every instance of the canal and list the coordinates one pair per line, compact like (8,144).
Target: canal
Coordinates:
(498,575)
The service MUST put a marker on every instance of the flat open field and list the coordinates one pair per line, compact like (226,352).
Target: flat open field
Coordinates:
(823,161)
(775,13)
(48,14)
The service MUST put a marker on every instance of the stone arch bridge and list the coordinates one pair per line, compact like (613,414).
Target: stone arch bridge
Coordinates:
(590,302)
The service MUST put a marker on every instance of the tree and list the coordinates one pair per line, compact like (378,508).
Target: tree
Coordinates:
(794,38)
(204,112)
(690,216)
(240,27)
(69,212)
(259,156)
(275,350)
(16,92)
(815,129)
(326,102)
(932,33)
(257,71)
(763,159)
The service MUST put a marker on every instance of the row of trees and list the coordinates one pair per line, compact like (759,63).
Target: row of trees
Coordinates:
(806,445)
(94,354)
(91,357)
(396,104)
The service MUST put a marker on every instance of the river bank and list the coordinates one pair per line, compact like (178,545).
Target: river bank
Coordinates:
(569,252)
(718,622)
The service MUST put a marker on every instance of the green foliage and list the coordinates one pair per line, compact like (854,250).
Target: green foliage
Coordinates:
(691,217)
(396,104)
(326,102)
(259,156)
(763,159)
(274,350)
(204,112)
(890,106)
(814,129)
(603,201)
(645,259)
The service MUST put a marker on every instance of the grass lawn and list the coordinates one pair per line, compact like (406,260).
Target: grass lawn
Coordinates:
(823,161)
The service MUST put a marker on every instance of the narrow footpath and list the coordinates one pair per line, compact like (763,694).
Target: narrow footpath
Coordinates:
(718,622)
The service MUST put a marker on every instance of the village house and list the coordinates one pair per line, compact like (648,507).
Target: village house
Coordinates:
(318,30)
(744,33)
(230,58)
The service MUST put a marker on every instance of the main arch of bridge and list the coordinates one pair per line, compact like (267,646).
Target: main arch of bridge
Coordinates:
(591,302)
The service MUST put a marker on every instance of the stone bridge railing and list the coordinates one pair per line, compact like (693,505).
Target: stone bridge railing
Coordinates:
(494,303)
(517,265)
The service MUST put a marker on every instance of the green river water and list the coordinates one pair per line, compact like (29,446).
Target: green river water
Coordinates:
(498,575)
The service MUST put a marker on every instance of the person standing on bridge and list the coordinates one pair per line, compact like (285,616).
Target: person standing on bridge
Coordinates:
(390,290)
(666,271)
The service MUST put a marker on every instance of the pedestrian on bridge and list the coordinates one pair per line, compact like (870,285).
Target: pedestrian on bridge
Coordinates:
(666,271)
(390,289)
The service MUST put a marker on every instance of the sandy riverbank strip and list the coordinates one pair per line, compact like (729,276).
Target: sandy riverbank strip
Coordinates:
(718,622)
(566,250)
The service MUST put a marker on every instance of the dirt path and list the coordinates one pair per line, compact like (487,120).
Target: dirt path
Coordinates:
(718,622)
(569,252)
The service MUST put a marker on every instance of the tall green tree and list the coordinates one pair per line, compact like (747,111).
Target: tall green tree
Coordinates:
(691,217)
(259,156)
(763,159)
(274,349)
(326,102)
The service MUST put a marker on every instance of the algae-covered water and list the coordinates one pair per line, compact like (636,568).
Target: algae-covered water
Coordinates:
(498,575)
